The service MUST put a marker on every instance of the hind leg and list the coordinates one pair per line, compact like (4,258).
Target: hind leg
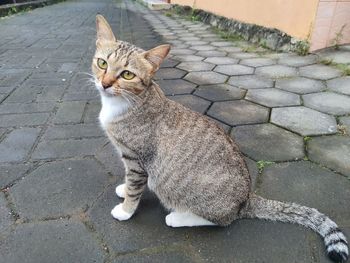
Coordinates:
(181,219)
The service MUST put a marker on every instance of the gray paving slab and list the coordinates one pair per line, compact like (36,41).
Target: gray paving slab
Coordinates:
(321,72)
(196,66)
(257,62)
(341,85)
(169,73)
(251,82)
(176,86)
(219,92)
(193,102)
(17,144)
(331,151)
(25,119)
(300,85)
(6,218)
(73,131)
(277,71)
(52,241)
(206,77)
(304,121)
(297,61)
(234,70)
(9,173)
(345,122)
(59,189)
(70,112)
(310,185)
(328,102)
(238,112)
(272,97)
(268,142)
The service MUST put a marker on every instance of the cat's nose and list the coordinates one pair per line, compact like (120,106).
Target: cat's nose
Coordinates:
(108,81)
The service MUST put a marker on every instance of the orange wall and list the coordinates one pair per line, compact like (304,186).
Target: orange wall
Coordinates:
(295,17)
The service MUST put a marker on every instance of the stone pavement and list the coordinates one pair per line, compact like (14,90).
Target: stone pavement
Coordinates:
(289,114)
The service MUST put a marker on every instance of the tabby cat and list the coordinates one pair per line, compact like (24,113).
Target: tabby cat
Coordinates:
(193,167)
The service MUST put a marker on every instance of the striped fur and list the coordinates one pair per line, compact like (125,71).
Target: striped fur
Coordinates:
(193,167)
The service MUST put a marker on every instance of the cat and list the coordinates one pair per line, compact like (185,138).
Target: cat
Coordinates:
(194,168)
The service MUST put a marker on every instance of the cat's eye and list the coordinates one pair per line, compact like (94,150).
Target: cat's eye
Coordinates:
(101,63)
(127,75)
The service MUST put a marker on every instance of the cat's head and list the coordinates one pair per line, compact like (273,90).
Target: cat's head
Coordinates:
(120,66)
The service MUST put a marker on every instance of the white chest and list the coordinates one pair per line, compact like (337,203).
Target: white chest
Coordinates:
(112,107)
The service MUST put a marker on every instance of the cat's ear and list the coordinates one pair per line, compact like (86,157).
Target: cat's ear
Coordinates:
(155,56)
(104,31)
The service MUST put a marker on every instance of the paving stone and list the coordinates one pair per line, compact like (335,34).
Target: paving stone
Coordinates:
(341,85)
(226,127)
(250,82)
(193,102)
(331,151)
(92,111)
(272,97)
(68,67)
(168,254)
(243,55)
(29,119)
(206,77)
(238,112)
(5,214)
(230,49)
(169,63)
(345,121)
(67,148)
(6,108)
(276,71)
(182,51)
(59,188)
(234,70)
(169,73)
(257,62)
(24,94)
(188,58)
(219,92)
(268,142)
(328,102)
(339,56)
(70,111)
(51,241)
(111,160)
(321,72)
(211,53)
(300,85)
(50,94)
(304,121)
(9,173)
(196,66)
(309,185)
(73,131)
(202,47)
(176,86)
(17,144)
(138,232)
(6,89)
(297,61)
(221,60)
(253,241)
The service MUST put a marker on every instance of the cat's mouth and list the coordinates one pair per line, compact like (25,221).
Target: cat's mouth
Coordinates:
(109,91)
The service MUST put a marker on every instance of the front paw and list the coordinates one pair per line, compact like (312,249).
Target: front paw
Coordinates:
(120,190)
(119,213)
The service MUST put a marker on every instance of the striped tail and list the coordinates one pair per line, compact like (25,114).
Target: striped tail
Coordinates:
(334,239)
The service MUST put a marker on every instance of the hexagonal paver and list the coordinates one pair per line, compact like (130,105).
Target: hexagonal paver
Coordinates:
(49,241)
(169,73)
(297,61)
(5,214)
(196,66)
(328,102)
(341,85)
(300,85)
(230,49)
(182,51)
(169,63)
(219,92)
(234,70)
(257,62)
(304,121)
(321,72)
(221,44)
(276,71)
(273,97)
(243,55)
(176,86)
(197,42)
(202,47)
(268,142)
(211,53)
(331,151)
(345,122)
(250,82)
(337,56)
(10,173)
(309,185)
(206,77)
(221,60)
(238,112)
(193,102)
(188,58)
(55,189)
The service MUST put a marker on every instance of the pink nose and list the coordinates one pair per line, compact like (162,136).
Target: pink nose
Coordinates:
(108,81)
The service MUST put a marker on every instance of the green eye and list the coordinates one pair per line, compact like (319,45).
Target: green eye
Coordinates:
(101,63)
(127,75)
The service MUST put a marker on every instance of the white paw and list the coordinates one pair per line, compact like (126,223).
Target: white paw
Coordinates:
(120,190)
(119,213)
(172,220)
